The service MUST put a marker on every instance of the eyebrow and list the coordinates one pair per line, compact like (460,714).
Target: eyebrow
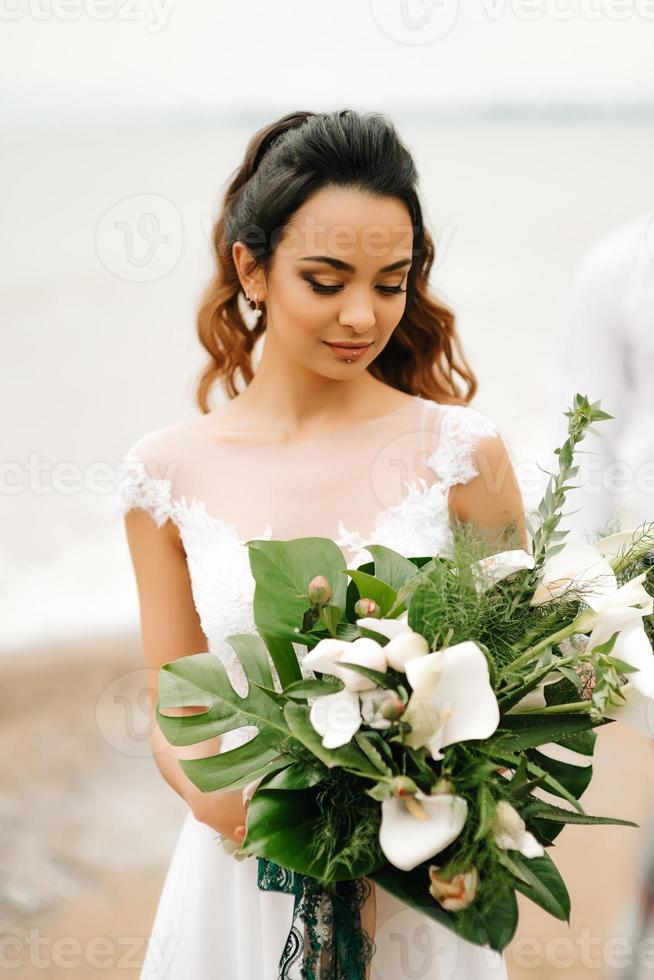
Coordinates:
(346,267)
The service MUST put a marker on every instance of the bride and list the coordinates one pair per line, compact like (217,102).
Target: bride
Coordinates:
(353,427)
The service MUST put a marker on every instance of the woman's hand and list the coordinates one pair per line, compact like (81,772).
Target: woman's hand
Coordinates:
(225,812)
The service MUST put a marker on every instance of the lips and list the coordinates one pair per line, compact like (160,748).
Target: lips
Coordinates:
(348,352)
(345,343)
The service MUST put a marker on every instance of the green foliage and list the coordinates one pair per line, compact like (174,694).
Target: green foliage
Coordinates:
(581,416)
(539,879)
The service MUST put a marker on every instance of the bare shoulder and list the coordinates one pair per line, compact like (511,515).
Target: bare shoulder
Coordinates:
(491,497)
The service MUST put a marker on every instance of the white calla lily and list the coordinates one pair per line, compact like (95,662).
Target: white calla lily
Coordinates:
(324,655)
(328,654)
(390,628)
(337,717)
(577,568)
(366,653)
(408,838)
(510,832)
(632,593)
(404,643)
(405,647)
(492,569)
(452,698)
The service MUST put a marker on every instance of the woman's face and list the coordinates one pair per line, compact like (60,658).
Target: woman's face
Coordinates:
(339,274)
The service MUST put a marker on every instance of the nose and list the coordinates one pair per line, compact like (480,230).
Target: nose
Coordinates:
(358,314)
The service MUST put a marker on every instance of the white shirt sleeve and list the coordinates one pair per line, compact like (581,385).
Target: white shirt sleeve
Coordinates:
(599,357)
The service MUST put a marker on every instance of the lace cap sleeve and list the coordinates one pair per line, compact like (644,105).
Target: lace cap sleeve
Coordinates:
(145,477)
(461,429)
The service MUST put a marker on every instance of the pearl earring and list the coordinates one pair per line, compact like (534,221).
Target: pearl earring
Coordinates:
(256,310)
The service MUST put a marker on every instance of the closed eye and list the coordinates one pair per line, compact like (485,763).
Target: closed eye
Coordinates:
(320,288)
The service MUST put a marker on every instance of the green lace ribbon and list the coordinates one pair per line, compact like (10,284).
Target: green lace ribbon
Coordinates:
(326,940)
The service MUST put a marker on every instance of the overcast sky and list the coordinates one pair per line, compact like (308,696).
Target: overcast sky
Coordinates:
(116,57)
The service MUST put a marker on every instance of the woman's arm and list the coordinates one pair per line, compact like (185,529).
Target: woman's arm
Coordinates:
(492,500)
(170,629)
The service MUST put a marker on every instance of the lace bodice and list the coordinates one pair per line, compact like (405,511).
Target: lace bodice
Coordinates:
(385,481)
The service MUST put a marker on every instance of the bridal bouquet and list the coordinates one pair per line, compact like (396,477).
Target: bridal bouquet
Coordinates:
(437,733)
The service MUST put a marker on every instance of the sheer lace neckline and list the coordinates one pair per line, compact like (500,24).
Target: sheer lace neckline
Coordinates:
(315,440)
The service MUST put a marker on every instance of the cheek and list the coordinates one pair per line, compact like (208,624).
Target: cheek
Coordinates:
(303,313)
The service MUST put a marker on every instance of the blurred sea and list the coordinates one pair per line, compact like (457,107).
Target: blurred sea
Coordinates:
(106,252)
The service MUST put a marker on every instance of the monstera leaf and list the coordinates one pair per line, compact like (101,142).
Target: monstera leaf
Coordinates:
(201,679)
(282,571)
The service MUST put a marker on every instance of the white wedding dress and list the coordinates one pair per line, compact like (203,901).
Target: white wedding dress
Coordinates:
(384,481)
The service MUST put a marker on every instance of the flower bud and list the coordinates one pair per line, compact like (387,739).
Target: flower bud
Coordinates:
(319,591)
(443,785)
(403,786)
(392,708)
(366,607)
(455,893)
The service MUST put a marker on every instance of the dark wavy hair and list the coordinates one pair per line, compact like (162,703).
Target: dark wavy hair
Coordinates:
(284,164)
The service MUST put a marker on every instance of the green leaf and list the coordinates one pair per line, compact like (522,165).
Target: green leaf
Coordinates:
(365,743)
(383,748)
(622,666)
(546,780)
(575,779)
(391,567)
(286,826)
(283,656)
(373,588)
(298,775)
(524,731)
(421,762)
(539,879)
(540,809)
(330,616)
(380,792)
(582,742)
(571,675)
(282,571)
(608,645)
(236,767)
(486,805)
(201,679)
(271,693)
(309,688)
